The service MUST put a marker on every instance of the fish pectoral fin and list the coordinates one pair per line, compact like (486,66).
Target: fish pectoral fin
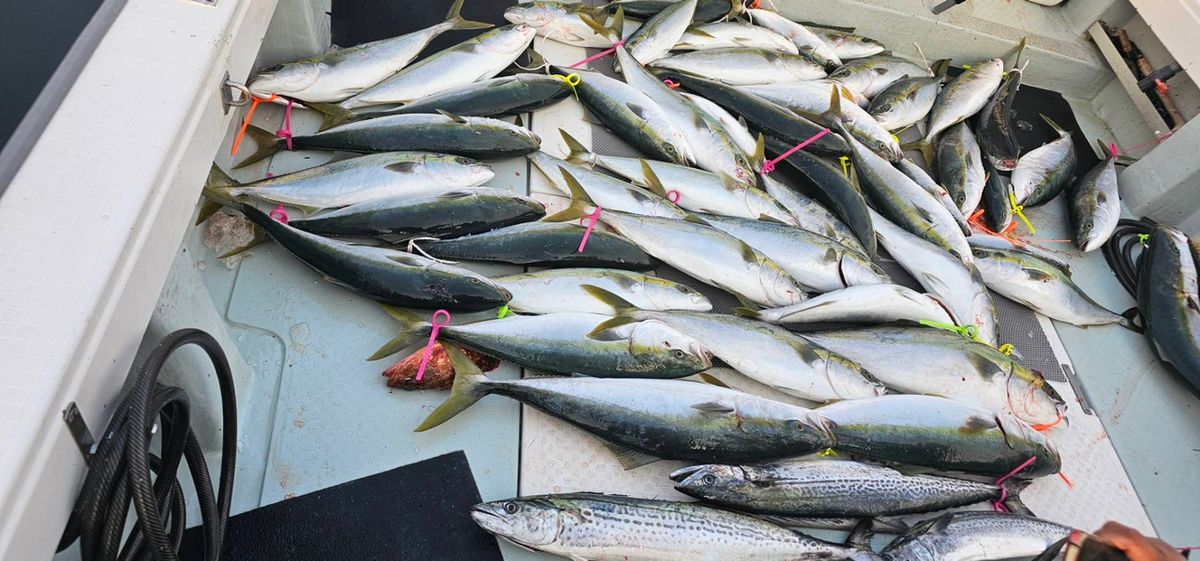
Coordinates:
(716,407)
(1038,275)
(712,380)
(630,458)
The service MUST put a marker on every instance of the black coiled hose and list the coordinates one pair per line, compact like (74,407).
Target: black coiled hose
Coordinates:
(1118,251)
(119,470)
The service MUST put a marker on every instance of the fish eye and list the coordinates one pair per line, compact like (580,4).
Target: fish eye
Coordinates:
(678,353)
(475,281)
(709,479)
(1088,224)
(511,508)
(799,425)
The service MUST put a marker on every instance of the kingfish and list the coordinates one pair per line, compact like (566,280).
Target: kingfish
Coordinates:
(337,75)
(905,102)
(950,366)
(994,126)
(506,95)
(957,284)
(1095,205)
(706,10)
(960,166)
(542,243)
(737,131)
(559,21)
(975,536)
(743,66)
(810,214)
(475,59)
(1042,173)
(1169,301)
(848,46)
(765,353)
(807,43)
(964,96)
(996,200)
(728,34)
(830,488)
(985,240)
(1040,286)
(644,420)
(939,433)
(560,343)
(811,100)
(868,303)
(559,290)
(918,174)
(657,35)
(604,189)
(449,213)
(618,528)
(871,75)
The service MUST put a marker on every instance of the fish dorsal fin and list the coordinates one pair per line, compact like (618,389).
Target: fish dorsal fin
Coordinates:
(652,182)
(630,458)
(452,116)
(760,150)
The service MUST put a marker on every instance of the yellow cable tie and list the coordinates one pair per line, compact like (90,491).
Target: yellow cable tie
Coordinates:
(1006,348)
(571,80)
(968,331)
(827,453)
(966,67)
(1143,239)
(502,312)
(1017,210)
(845,160)
(896,138)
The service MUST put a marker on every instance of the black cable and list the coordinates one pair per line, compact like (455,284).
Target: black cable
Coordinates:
(1118,251)
(119,469)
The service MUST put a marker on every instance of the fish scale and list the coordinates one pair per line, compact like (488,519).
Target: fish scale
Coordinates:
(976,536)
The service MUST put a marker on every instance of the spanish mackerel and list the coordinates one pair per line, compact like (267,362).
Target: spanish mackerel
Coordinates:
(808,44)
(618,528)
(1040,286)
(475,59)
(867,303)
(948,365)
(742,66)
(960,166)
(940,433)
(1095,206)
(1042,173)
(542,243)
(975,536)
(560,343)
(831,488)
(964,96)
(339,74)
(559,290)
(651,419)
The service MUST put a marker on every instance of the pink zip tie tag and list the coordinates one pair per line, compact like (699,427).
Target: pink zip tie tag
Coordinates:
(286,132)
(600,54)
(592,218)
(1112,150)
(671,83)
(769,165)
(433,333)
(998,506)
(673,196)
(280,213)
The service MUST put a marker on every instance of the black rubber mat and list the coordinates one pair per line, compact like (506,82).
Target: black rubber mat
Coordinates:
(416,512)
(360,21)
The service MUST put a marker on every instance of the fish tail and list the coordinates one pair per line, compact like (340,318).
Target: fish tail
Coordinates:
(216,193)
(1057,129)
(267,144)
(748,313)
(334,114)
(412,329)
(610,30)
(940,67)
(456,21)
(1014,487)
(926,147)
(581,205)
(833,117)
(577,152)
(470,385)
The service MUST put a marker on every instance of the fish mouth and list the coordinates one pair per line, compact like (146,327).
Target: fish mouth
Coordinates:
(682,474)
(1006,165)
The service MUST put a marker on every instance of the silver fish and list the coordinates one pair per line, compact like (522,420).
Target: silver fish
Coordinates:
(1096,205)
(960,165)
(737,131)
(1042,173)
(1041,287)
(727,34)
(984,240)
(367,178)
(694,189)
(817,263)
(765,353)
(810,214)
(870,303)
(634,117)
(811,100)
(807,43)
(951,366)
(616,528)
(337,75)
(848,46)
(559,21)
(743,66)
(871,75)
(976,536)
(957,284)
(964,96)
(605,190)
(655,38)
(558,290)
(475,59)
(905,102)
(918,174)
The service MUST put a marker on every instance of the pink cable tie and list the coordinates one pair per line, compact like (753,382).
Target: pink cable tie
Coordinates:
(286,132)
(600,54)
(769,165)
(1112,150)
(433,333)
(673,196)
(280,213)
(998,506)
(592,218)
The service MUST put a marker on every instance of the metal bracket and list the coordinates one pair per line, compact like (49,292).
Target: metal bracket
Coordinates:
(227,87)
(79,431)
(1085,403)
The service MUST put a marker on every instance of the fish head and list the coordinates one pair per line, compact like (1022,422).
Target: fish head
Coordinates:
(676,296)
(532,522)
(287,79)
(779,287)
(534,14)
(990,67)
(458,171)
(1031,398)
(512,39)
(713,482)
(856,272)
(656,343)
(1020,435)
(850,380)
(887,148)
(1084,238)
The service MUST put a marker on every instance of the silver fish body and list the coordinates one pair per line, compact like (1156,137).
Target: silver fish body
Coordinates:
(811,100)
(743,66)
(976,536)
(870,303)
(848,46)
(605,190)
(807,42)
(1042,173)
(960,165)
(871,75)
(918,174)
(994,127)
(617,528)
(659,34)
(905,102)
(985,240)
(558,290)
(964,96)
(737,132)
(1168,297)
(957,284)
(951,366)
(1095,205)
(810,214)
(634,117)
(558,21)
(479,58)
(817,263)
(1040,286)
(728,34)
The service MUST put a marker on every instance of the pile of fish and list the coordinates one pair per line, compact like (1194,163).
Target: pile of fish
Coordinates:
(708,91)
